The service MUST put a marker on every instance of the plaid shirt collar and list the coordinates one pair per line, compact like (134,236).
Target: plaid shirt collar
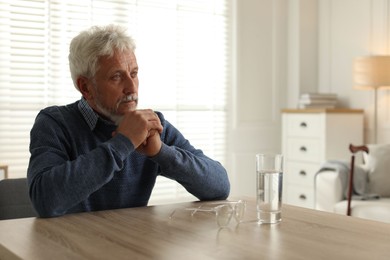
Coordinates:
(90,116)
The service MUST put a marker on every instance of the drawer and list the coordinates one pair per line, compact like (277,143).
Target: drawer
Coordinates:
(305,150)
(300,173)
(301,196)
(304,125)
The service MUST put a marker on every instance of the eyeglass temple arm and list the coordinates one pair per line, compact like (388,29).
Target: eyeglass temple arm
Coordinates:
(194,210)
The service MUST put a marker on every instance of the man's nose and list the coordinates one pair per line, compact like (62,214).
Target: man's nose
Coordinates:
(130,85)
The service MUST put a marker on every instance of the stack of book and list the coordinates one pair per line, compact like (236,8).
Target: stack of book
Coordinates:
(317,100)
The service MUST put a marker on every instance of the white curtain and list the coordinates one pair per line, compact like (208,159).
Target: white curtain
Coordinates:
(183,51)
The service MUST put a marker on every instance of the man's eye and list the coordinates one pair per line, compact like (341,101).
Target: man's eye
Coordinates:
(134,74)
(116,77)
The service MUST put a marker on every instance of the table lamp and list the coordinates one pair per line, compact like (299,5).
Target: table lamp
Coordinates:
(372,72)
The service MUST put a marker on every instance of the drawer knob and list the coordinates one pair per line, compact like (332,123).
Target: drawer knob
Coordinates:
(302,197)
(303,173)
(303,149)
(303,125)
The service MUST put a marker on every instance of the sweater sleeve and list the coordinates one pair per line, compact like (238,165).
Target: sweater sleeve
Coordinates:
(57,181)
(203,177)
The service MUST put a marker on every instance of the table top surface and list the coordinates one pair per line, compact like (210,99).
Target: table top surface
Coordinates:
(149,232)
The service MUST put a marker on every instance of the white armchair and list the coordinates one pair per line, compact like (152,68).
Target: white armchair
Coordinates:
(370,192)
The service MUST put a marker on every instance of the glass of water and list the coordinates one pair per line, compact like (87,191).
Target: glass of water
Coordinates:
(269,184)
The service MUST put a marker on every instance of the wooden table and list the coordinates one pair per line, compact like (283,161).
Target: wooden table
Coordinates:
(148,232)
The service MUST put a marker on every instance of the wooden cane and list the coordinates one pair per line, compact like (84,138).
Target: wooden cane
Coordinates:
(354,149)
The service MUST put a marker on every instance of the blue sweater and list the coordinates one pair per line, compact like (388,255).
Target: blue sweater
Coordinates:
(76,165)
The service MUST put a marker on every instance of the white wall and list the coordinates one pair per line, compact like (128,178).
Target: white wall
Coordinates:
(302,49)
(259,91)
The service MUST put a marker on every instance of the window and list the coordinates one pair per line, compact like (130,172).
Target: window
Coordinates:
(183,51)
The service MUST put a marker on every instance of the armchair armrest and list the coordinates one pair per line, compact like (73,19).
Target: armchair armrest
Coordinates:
(331,184)
(328,190)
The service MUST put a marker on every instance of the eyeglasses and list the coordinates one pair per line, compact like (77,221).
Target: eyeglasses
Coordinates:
(223,212)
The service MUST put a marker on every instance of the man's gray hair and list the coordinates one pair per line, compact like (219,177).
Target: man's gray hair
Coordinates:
(87,47)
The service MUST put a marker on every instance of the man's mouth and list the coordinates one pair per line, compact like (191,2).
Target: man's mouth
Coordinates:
(129,100)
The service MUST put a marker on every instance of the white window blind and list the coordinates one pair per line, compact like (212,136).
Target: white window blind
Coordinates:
(183,51)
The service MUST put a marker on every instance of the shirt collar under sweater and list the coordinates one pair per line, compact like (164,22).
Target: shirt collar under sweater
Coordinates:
(90,116)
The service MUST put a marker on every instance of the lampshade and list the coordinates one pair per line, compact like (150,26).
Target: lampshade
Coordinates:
(372,72)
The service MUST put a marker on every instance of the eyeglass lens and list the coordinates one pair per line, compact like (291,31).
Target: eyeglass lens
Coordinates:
(224,215)
(239,211)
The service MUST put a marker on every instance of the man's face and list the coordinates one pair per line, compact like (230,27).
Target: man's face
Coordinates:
(114,89)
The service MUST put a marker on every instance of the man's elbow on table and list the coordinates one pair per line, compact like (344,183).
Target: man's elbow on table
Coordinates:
(45,208)
(219,191)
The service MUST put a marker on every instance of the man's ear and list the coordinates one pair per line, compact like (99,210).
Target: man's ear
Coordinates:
(84,85)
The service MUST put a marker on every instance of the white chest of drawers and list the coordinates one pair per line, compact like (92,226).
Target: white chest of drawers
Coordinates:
(309,138)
